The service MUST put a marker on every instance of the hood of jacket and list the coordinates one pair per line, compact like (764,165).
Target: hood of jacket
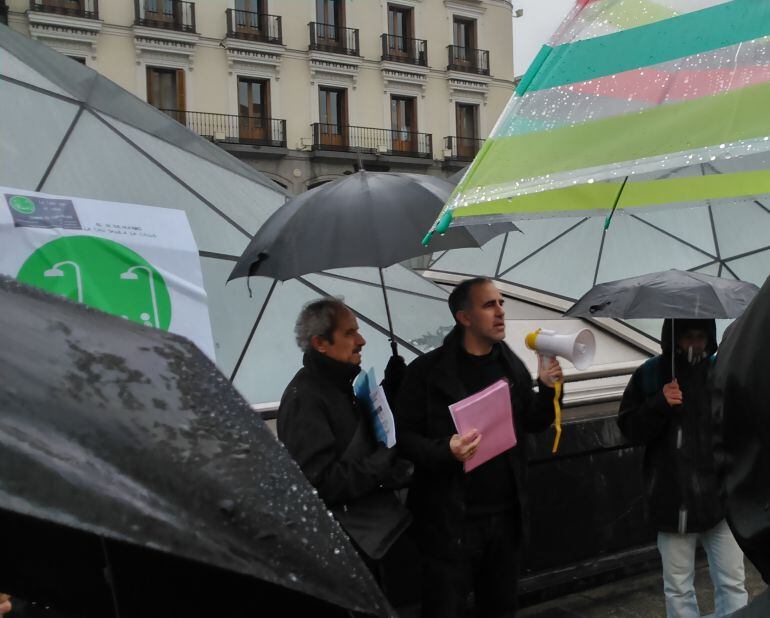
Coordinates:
(680,326)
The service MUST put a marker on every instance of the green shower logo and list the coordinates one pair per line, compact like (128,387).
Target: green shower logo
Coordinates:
(102,274)
(22,204)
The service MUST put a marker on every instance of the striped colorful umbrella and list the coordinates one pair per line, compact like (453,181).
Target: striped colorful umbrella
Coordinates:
(632,105)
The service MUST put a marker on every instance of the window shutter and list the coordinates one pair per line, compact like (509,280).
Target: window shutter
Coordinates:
(181,103)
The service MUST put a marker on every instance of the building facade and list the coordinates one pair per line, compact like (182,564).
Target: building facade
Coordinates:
(304,90)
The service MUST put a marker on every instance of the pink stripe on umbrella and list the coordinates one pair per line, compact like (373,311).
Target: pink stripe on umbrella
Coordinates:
(656,87)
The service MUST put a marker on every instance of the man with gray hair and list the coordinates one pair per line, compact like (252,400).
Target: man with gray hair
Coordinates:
(330,433)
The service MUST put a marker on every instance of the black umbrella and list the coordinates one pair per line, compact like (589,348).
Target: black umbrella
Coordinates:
(666,294)
(126,457)
(365,219)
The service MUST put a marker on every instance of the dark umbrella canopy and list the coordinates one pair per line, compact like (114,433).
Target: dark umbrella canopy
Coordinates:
(124,441)
(741,400)
(666,294)
(365,219)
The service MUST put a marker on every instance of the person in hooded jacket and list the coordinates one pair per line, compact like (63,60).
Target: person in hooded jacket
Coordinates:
(671,416)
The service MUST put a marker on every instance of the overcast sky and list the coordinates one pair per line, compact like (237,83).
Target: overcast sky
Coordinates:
(535,27)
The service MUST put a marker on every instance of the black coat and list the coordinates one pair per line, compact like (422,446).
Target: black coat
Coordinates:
(675,477)
(742,403)
(317,419)
(424,427)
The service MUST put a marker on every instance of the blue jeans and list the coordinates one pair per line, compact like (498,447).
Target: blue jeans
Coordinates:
(725,558)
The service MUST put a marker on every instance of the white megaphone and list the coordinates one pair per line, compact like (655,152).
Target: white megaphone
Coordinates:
(578,348)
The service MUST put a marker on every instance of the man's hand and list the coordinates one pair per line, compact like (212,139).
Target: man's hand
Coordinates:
(673,393)
(549,370)
(464,446)
(5,604)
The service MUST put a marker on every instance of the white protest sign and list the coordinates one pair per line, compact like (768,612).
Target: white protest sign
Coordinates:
(137,262)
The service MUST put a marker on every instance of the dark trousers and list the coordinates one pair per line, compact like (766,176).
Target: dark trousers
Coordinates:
(487,565)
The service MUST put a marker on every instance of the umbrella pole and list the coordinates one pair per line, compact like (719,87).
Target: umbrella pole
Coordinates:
(109,576)
(673,349)
(393,345)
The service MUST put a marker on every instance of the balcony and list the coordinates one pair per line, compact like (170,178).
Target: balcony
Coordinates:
(251,26)
(88,9)
(334,39)
(231,129)
(461,148)
(468,60)
(345,138)
(402,49)
(165,14)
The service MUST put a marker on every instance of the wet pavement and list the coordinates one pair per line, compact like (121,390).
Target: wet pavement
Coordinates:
(639,596)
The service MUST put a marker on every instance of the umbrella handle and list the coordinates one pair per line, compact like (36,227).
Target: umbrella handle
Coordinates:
(557,416)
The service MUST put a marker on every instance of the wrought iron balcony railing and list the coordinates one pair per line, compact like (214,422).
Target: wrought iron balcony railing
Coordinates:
(345,138)
(254,26)
(334,39)
(166,14)
(468,59)
(402,49)
(462,148)
(233,129)
(87,9)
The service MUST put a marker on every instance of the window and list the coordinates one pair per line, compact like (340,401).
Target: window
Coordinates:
(403,123)
(331,14)
(465,33)
(67,5)
(166,90)
(400,30)
(253,109)
(253,6)
(333,116)
(249,15)
(466,115)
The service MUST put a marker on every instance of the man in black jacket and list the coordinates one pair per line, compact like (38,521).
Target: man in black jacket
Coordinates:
(685,499)
(329,433)
(470,527)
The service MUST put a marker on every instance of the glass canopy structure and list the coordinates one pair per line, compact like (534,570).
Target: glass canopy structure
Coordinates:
(67,130)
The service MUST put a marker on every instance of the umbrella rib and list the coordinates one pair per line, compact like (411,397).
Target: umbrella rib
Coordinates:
(364,319)
(541,247)
(218,256)
(253,330)
(181,182)
(61,146)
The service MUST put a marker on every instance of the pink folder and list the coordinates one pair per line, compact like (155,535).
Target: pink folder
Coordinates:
(489,411)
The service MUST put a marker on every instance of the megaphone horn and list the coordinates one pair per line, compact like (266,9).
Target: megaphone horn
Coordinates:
(578,348)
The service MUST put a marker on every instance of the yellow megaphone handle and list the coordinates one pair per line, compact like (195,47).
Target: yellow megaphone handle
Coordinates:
(557,416)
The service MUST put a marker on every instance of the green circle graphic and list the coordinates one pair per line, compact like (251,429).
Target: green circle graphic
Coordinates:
(22,204)
(102,274)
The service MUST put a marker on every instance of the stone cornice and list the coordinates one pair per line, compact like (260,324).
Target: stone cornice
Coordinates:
(66,34)
(173,49)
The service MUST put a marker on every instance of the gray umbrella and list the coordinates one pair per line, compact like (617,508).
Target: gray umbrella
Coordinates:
(666,294)
(365,219)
